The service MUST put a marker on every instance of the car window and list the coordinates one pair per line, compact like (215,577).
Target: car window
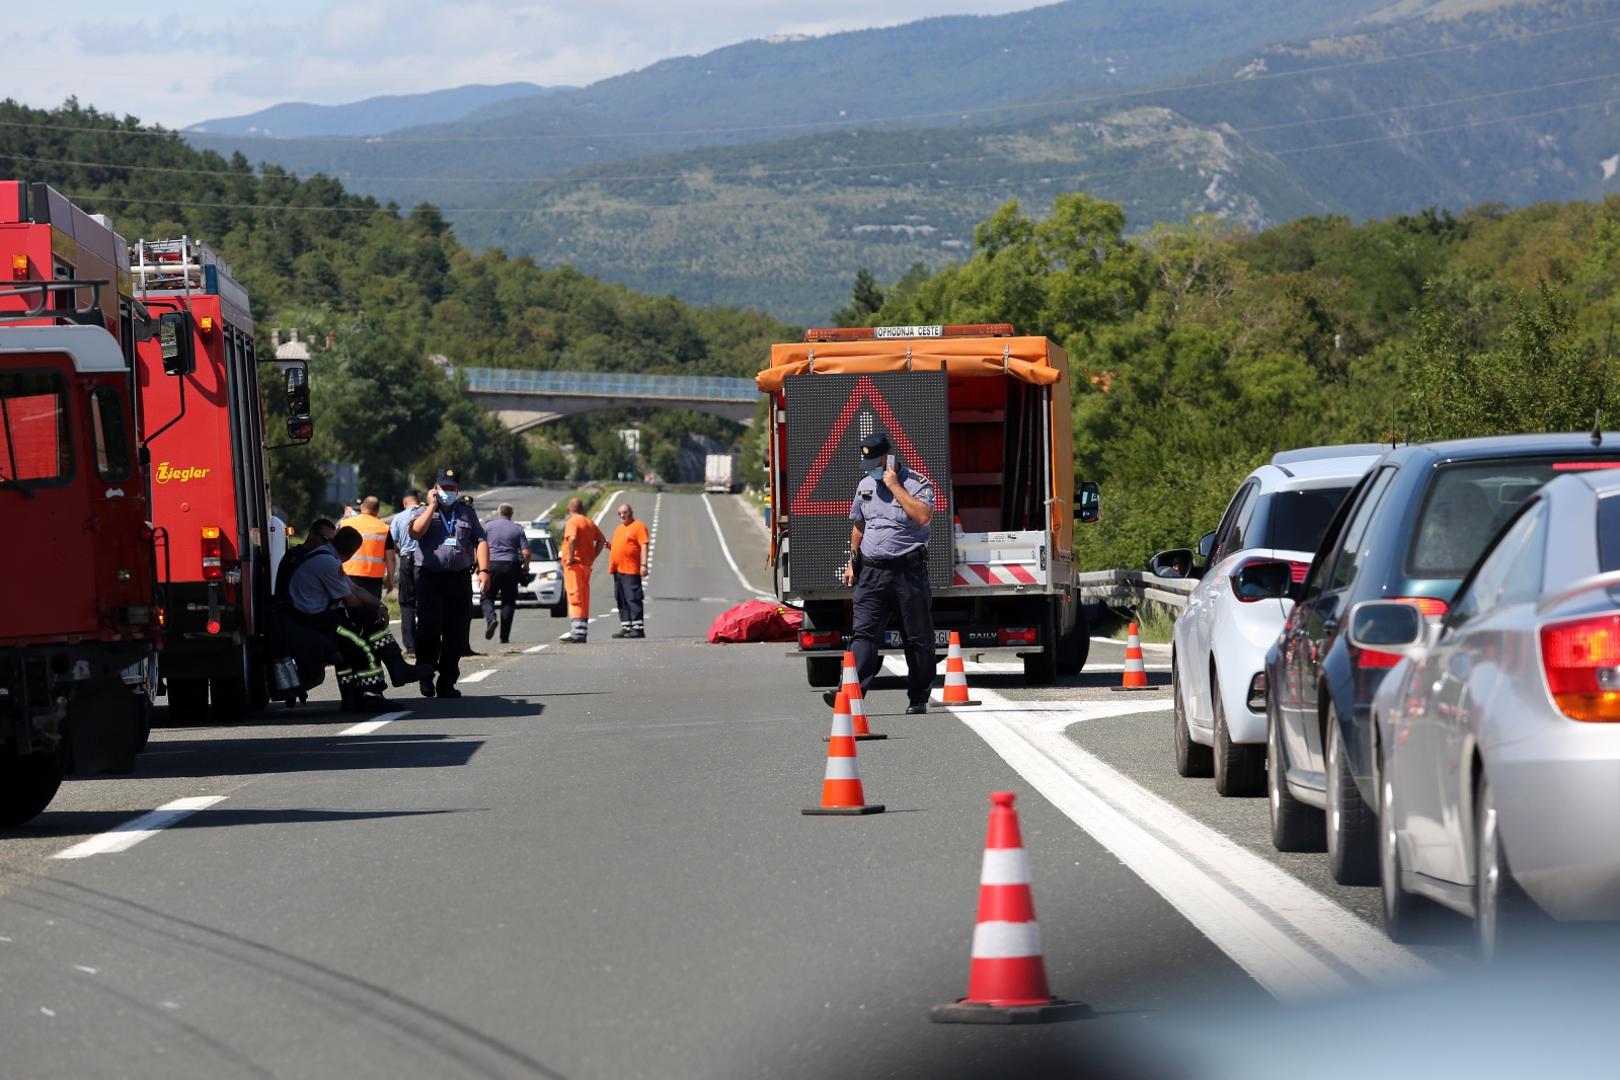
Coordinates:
(1467,503)
(1608,527)
(1348,557)
(108,430)
(1224,530)
(1322,559)
(1296,520)
(34,444)
(1238,537)
(1505,573)
(541,549)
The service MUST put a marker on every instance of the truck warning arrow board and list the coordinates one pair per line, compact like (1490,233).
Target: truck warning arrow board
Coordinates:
(827,417)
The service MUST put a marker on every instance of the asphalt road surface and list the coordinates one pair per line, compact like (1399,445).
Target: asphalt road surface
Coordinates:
(594,865)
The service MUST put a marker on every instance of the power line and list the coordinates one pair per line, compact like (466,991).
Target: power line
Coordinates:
(846,122)
(545,181)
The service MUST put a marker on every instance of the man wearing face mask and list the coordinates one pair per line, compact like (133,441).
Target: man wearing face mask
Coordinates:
(888,567)
(449,543)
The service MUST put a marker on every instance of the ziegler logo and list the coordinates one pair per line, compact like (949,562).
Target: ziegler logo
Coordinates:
(182,476)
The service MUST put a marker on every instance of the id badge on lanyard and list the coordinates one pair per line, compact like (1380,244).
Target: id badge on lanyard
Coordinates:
(448,545)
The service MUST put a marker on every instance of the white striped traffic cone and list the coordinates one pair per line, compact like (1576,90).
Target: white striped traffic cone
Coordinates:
(956,688)
(1135,676)
(841,790)
(1007,974)
(851,687)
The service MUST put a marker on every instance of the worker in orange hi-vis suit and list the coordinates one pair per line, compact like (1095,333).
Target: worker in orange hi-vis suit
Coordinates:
(582,543)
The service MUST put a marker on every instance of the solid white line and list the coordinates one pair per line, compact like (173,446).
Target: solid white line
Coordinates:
(607,505)
(726,551)
(478,676)
(125,836)
(1293,940)
(366,727)
(537,648)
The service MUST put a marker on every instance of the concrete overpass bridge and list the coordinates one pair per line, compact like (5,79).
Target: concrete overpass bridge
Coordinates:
(526,399)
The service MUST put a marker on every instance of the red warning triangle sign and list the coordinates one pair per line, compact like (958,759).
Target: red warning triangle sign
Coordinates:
(865,392)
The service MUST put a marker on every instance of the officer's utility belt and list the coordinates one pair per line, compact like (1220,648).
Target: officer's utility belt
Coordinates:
(910,560)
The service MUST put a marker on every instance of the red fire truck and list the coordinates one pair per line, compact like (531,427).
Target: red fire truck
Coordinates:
(199,388)
(80,625)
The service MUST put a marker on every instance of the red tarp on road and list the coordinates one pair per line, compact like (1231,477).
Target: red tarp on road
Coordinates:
(756,620)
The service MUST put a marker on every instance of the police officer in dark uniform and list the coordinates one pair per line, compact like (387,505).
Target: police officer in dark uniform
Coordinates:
(889,567)
(449,545)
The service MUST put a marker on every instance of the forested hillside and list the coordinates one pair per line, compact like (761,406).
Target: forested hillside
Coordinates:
(1199,350)
(392,289)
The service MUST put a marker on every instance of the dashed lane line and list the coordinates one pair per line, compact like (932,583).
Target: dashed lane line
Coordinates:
(477,676)
(1290,938)
(366,727)
(532,649)
(125,836)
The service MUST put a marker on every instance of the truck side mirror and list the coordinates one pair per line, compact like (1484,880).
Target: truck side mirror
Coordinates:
(1088,508)
(300,427)
(174,342)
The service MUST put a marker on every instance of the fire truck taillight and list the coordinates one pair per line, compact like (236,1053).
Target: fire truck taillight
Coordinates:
(205,323)
(19,266)
(211,568)
(212,626)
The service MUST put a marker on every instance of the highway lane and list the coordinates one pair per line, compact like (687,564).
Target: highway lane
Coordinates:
(592,865)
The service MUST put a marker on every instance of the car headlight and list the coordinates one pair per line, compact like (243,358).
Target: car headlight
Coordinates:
(548,575)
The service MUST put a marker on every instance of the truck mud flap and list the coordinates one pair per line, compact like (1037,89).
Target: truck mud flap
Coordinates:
(103,731)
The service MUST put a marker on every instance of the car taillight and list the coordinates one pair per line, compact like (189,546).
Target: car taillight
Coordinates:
(1435,609)
(1299,570)
(1372,658)
(818,639)
(211,568)
(1017,635)
(1581,659)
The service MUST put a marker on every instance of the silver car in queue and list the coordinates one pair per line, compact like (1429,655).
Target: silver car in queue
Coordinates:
(1497,751)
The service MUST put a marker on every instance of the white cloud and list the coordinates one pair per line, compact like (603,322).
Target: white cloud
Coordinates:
(236,57)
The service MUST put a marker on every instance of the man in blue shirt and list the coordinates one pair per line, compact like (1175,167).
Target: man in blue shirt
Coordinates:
(402,567)
(888,567)
(508,562)
(449,545)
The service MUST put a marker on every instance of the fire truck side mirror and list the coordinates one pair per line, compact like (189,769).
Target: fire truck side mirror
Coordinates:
(174,341)
(1088,510)
(300,427)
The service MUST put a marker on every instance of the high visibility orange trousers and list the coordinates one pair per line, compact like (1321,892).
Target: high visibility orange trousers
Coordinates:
(577,580)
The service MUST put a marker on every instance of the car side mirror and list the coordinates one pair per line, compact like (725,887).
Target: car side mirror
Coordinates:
(1174,563)
(300,426)
(1392,626)
(1267,579)
(1206,546)
(1088,506)
(174,343)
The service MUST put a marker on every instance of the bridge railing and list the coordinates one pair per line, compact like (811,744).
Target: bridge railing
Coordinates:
(610,384)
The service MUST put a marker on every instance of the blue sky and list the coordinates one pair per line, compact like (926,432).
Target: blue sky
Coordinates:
(230,56)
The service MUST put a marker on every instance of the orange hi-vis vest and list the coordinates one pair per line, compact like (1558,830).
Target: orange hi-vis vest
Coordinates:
(371,560)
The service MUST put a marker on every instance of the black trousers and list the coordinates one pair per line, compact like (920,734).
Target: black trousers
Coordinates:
(504,575)
(881,595)
(358,669)
(407,601)
(443,616)
(372,585)
(631,602)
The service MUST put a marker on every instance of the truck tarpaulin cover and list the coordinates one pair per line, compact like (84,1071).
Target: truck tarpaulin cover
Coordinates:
(1030,359)
(756,620)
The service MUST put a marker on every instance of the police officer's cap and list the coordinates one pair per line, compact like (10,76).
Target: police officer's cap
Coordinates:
(449,478)
(874,446)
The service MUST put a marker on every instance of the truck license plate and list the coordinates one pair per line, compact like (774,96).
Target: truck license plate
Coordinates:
(891,638)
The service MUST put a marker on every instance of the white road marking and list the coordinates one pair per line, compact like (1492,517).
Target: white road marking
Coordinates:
(366,727)
(478,676)
(1016,667)
(125,836)
(1291,939)
(607,505)
(1147,646)
(726,551)
(537,648)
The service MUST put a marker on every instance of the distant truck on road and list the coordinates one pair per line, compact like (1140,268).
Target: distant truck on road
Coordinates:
(986,417)
(718,473)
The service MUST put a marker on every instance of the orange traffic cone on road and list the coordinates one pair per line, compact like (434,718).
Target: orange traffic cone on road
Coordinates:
(956,688)
(1007,972)
(851,687)
(841,791)
(1135,676)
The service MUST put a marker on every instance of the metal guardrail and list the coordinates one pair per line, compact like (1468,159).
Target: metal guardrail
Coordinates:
(611,384)
(1134,585)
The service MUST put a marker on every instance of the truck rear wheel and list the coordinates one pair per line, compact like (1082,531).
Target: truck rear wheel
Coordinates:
(238,696)
(1040,669)
(28,783)
(188,701)
(1075,646)
(824,670)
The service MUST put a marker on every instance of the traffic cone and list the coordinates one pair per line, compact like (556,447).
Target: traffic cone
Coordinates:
(1007,973)
(1135,676)
(956,689)
(851,686)
(841,791)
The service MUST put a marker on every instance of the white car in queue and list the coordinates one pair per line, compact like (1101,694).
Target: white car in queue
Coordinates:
(545,587)
(1218,647)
